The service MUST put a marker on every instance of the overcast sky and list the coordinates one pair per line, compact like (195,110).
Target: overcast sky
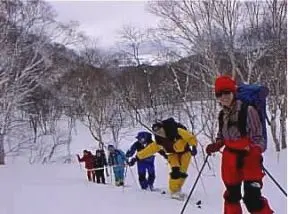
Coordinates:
(102,19)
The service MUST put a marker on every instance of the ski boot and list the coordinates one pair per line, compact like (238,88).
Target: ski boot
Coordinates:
(121,183)
(151,188)
(178,195)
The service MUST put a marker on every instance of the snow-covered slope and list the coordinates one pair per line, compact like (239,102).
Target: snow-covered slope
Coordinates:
(63,189)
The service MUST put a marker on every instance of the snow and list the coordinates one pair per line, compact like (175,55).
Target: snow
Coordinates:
(63,189)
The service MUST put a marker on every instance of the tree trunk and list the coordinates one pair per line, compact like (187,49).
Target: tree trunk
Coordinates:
(274,135)
(283,132)
(2,152)
(69,140)
(283,120)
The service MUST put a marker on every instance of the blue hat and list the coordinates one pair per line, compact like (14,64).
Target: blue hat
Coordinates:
(145,135)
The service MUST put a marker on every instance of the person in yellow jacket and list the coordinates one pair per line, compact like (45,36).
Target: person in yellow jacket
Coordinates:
(175,140)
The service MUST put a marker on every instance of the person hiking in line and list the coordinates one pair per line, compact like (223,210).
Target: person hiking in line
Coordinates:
(242,154)
(146,165)
(100,163)
(117,160)
(175,140)
(88,160)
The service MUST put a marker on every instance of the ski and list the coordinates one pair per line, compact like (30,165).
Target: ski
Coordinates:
(159,190)
(183,198)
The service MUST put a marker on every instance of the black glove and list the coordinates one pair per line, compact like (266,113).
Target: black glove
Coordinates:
(194,151)
(163,154)
(132,161)
(214,147)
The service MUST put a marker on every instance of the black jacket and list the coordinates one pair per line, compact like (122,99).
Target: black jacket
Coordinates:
(100,159)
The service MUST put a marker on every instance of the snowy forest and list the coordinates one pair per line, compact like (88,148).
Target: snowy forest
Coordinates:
(51,73)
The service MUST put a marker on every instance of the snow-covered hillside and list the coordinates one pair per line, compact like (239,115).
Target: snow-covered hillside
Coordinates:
(63,189)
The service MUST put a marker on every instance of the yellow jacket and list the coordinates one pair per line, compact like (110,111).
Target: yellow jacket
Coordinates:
(180,145)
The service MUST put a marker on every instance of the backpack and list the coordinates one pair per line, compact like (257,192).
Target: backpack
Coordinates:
(250,95)
(170,127)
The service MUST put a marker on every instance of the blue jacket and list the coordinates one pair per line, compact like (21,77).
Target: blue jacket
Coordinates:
(117,158)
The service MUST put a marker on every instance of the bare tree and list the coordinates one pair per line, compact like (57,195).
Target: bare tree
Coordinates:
(96,114)
(116,120)
(184,25)
(133,38)
(275,24)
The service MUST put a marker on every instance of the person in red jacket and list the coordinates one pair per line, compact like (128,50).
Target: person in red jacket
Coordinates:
(88,159)
(242,154)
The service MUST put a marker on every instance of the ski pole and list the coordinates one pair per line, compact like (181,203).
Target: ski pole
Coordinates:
(79,164)
(93,169)
(197,167)
(194,185)
(133,176)
(125,173)
(106,171)
(111,176)
(277,184)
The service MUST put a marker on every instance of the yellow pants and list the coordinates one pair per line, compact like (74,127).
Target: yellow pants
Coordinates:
(182,161)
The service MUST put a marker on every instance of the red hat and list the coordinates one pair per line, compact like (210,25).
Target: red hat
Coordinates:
(225,83)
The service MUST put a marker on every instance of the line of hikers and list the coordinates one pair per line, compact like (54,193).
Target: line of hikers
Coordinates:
(241,135)
(97,164)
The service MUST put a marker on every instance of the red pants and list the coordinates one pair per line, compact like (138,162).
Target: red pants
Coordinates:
(91,175)
(243,167)
(251,169)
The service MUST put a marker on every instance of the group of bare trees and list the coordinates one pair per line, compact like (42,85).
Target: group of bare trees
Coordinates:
(28,67)
(207,38)
(247,40)
(43,82)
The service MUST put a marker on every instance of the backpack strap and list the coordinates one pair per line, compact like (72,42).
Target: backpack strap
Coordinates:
(220,120)
(242,119)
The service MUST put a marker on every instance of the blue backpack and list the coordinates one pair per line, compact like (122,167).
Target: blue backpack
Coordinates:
(251,95)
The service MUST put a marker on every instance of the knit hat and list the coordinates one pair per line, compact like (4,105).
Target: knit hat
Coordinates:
(225,83)
(110,146)
(145,135)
